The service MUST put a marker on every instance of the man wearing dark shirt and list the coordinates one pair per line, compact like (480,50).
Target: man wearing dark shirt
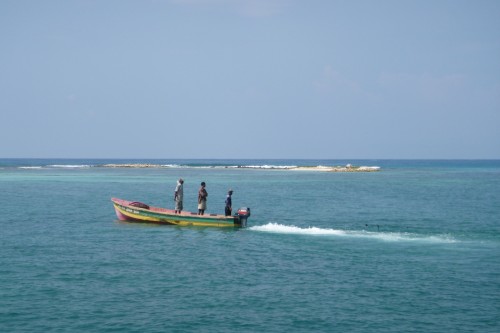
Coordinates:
(229,203)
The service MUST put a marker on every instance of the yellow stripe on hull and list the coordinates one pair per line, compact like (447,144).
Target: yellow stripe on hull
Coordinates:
(136,215)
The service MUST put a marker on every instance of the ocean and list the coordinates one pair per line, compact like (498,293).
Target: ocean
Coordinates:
(414,247)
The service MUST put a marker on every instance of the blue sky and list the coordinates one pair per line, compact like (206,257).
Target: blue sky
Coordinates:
(250,79)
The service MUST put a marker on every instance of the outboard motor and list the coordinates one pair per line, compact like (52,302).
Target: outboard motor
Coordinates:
(243,214)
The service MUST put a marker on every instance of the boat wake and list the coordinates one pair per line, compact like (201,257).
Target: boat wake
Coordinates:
(382,236)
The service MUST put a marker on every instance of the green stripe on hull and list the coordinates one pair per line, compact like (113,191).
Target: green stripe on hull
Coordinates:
(143,215)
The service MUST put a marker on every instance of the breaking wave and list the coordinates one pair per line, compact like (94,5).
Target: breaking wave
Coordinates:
(56,166)
(69,166)
(30,167)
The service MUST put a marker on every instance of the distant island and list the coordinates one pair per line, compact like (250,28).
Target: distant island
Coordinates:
(322,168)
(133,165)
(347,168)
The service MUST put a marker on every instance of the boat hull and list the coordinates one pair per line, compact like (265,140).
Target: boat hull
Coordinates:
(127,211)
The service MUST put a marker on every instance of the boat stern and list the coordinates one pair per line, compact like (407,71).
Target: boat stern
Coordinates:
(242,216)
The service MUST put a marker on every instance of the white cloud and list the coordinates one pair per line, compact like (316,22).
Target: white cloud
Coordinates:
(427,86)
(331,81)
(250,8)
(71,98)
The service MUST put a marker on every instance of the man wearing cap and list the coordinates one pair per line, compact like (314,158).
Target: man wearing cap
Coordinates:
(178,195)
(229,203)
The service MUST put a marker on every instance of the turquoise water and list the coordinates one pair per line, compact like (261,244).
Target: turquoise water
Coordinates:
(414,247)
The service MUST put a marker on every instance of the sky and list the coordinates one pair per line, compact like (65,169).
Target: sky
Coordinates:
(387,79)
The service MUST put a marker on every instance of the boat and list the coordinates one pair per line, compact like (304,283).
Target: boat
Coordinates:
(136,211)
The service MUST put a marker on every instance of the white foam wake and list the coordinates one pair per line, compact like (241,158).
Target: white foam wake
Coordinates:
(383,236)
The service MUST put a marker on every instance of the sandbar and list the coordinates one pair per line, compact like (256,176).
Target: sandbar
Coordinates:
(347,168)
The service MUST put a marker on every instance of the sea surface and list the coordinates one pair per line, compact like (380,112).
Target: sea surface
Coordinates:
(414,247)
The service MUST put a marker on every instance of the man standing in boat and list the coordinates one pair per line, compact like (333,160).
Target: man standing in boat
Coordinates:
(178,195)
(202,199)
(229,203)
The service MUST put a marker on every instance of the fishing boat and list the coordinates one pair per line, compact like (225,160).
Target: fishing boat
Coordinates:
(139,212)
